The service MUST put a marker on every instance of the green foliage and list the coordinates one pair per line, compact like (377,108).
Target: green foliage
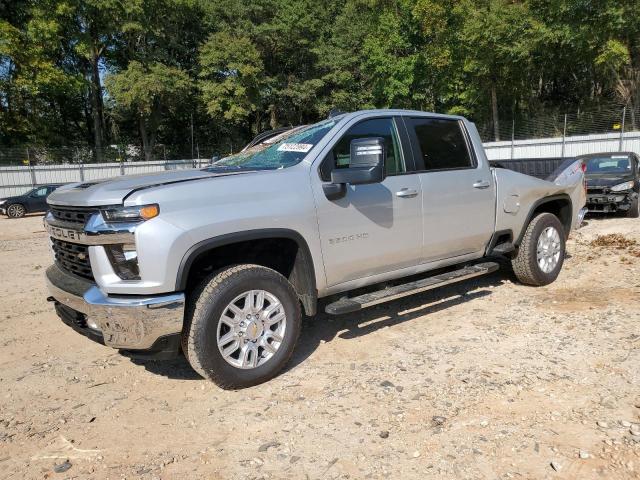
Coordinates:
(144,89)
(231,74)
(233,68)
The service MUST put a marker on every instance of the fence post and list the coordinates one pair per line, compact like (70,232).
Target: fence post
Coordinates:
(564,135)
(624,114)
(32,171)
(121,167)
(82,172)
(513,127)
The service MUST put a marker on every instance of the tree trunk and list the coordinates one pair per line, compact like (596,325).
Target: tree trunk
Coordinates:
(494,112)
(149,132)
(273,121)
(96,103)
(146,148)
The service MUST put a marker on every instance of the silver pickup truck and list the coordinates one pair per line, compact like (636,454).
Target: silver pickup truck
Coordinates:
(221,262)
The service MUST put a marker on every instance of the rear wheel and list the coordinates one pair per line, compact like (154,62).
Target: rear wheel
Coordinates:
(242,326)
(541,252)
(15,210)
(634,211)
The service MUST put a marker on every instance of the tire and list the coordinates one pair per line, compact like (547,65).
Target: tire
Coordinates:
(634,210)
(205,327)
(16,210)
(527,264)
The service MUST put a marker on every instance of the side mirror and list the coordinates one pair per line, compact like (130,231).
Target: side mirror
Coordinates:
(366,163)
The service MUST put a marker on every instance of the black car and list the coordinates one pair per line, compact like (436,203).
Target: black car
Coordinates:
(33,201)
(613,182)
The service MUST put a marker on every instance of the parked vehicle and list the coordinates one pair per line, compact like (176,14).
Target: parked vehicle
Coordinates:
(613,183)
(221,262)
(34,201)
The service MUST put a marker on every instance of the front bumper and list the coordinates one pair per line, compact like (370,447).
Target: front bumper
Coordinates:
(132,322)
(610,202)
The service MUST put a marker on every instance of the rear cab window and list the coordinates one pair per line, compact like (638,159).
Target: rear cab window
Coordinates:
(439,144)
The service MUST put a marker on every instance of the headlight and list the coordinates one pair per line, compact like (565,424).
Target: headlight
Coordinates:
(138,213)
(622,186)
(2,202)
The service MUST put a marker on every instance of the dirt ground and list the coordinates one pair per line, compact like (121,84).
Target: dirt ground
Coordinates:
(487,379)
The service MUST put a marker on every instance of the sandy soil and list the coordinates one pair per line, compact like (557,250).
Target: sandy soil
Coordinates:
(488,379)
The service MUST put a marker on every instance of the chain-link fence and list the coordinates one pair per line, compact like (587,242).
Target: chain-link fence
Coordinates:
(40,155)
(608,119)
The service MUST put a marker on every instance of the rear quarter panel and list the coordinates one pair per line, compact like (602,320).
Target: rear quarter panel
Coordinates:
(517,194)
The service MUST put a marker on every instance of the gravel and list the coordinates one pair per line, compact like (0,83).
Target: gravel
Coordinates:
(488,378)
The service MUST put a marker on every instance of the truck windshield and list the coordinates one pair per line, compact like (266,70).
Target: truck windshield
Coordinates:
(281,151)
(611,164)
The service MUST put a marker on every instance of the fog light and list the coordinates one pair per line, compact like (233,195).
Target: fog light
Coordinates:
(124,260)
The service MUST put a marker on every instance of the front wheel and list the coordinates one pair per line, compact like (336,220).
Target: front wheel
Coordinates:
(242,326)
(16,211)
(541,252)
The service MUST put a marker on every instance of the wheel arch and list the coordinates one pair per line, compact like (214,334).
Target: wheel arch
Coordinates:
(559,205)
(300,272)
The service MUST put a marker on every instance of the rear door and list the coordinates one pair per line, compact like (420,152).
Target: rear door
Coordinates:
(458,192)
(374,228)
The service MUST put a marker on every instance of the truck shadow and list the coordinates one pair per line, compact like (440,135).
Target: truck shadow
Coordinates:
(324,328)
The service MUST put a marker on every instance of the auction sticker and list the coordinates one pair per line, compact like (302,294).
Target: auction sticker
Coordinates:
(295,147)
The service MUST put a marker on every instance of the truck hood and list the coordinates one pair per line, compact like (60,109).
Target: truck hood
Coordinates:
(113,191)
(606,179)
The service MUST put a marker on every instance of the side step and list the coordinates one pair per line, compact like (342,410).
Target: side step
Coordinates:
(348,305)
(503,249)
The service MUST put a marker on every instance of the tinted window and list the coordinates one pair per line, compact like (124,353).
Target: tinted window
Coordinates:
(376,127)
(442,143)
(40,192)
(609,164)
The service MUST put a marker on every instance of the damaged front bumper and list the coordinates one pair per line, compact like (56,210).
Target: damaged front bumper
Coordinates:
(141,324)
(610,202)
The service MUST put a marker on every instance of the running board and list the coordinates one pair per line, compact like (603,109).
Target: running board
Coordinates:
(348,305)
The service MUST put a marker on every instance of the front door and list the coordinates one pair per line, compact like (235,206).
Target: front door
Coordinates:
(374,228)
(38,200)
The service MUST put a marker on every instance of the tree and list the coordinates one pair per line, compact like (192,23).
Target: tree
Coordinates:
(230,76)
(147,91)
(497,39)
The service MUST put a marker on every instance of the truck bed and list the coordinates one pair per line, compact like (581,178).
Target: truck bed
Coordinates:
(542,168)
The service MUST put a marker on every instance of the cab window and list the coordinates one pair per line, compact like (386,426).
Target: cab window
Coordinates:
(441,144)
(40,192)
(375,127)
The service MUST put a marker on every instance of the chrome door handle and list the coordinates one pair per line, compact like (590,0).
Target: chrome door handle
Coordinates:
(481,184)
(407,193)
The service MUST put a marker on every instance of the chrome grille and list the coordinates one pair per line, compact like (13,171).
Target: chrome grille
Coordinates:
(72,257)
(76,215)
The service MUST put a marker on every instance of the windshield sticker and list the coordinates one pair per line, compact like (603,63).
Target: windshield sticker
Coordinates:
(295,147)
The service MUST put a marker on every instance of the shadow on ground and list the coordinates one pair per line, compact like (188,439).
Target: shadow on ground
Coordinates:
(324,327)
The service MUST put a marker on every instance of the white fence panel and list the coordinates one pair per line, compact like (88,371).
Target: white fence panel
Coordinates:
(16,180)
(573,146)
